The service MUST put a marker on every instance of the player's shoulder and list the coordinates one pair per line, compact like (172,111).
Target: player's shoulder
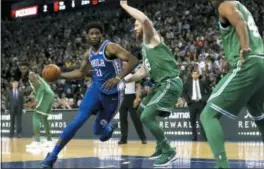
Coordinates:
(87,53)
(111,46)
(33,74)
(226,5)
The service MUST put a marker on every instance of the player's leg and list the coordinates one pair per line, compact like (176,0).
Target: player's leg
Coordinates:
(138,125)
(162,104)
(148,118)
(36,126)
(89,103)
(215,135)
(110,106)
(44,109)
(123,111)
(229,96)
(36,130)
(256,109)
(157,153)
(44,121)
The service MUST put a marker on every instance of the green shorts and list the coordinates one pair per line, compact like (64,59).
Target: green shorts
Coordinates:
(242,86)
(45,104)
(163,97)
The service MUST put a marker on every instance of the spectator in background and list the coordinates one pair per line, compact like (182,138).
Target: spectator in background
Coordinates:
(15,105)
(189,29)
(196,94)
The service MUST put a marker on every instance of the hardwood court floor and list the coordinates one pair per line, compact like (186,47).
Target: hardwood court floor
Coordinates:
(93,153)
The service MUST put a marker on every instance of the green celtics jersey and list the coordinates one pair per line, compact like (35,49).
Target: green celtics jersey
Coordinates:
(159,62)
(41,90)
(231,41)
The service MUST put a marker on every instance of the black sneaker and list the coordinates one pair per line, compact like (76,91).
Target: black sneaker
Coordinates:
(144,142)
(122,142)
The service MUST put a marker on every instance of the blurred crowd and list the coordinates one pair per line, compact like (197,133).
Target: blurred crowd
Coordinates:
(188,27)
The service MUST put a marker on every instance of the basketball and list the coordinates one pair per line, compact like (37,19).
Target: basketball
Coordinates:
(51,72)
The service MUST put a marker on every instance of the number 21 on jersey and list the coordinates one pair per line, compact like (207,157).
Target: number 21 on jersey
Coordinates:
(98,72)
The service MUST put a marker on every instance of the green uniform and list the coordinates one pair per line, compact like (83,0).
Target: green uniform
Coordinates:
(44,97)
(243,85)
(162,68)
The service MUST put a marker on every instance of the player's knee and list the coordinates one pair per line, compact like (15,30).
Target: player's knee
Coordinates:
(144,118)
(204,116)
(140,110)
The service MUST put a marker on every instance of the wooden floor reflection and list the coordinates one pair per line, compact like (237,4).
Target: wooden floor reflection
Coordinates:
(14,150)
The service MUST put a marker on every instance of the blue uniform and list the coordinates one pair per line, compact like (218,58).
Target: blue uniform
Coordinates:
(97,100)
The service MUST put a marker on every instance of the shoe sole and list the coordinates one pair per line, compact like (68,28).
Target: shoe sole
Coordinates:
(45,166)
(153,158)
(171,160)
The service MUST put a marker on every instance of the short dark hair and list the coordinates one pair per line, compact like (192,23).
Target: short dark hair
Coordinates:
(24,63)
(96,25)
(195,70)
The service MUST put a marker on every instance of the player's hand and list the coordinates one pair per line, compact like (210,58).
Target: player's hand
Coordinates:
(137,101)
(242,54)
(109,84)
(123,2)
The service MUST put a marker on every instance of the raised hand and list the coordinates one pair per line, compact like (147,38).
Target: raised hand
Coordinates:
(123,2)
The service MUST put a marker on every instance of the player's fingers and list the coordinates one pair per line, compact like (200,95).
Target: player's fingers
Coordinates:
(109,84)
(106,85)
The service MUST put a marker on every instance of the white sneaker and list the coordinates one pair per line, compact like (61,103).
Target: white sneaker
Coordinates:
(48,144)
(34,144)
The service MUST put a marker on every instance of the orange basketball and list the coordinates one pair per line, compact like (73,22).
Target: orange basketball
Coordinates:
(51,72)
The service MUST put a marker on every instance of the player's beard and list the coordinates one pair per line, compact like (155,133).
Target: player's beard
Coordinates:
(96,44)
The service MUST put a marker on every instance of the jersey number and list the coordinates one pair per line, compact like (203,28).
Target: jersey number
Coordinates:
(252,26)
(98,72)
(147,65)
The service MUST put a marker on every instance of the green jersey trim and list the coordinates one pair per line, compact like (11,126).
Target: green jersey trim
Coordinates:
(162,94)
(219,92)
(40,101)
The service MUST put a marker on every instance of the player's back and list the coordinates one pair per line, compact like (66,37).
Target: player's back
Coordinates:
(160,62)
(104,68)
(231,40)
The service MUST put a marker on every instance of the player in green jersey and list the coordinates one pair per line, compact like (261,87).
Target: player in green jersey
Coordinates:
(160,64)
(44,97)
(243,85)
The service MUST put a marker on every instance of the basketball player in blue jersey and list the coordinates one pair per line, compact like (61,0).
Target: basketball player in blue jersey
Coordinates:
(105,94)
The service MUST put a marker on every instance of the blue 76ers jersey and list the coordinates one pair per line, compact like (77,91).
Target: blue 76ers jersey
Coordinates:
(104,69)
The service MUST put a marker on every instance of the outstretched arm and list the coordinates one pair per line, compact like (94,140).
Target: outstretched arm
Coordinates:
(140,74)
(79,73)
(148,28)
